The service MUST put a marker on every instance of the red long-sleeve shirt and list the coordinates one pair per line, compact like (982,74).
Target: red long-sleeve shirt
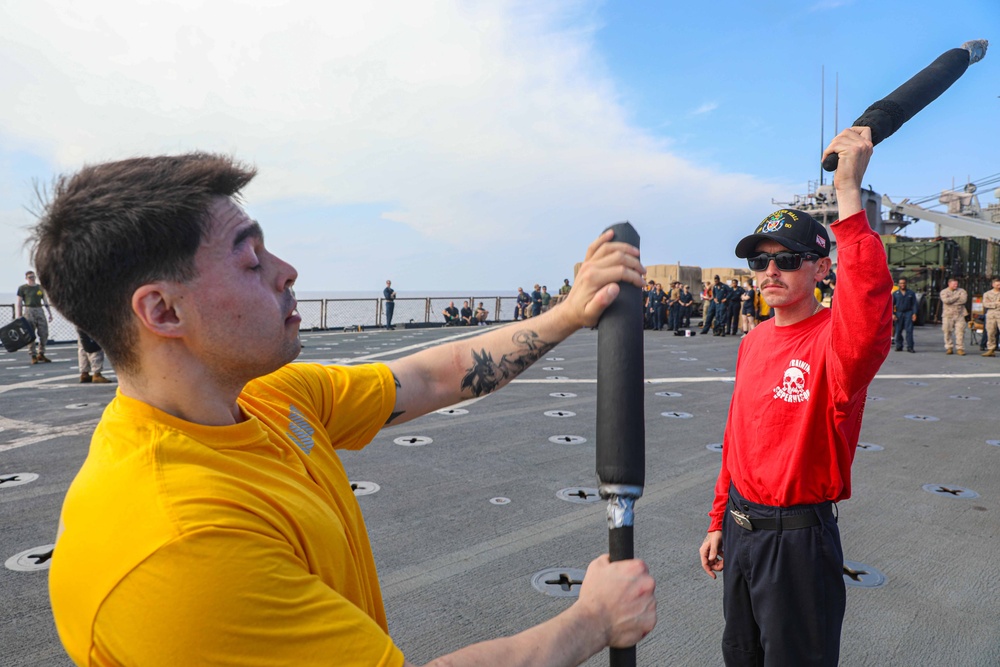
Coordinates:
(800,390)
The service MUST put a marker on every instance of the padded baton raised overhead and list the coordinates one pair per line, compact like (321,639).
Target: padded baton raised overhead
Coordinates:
(888,114)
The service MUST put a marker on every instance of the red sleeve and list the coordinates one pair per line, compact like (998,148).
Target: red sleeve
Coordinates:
(862,307)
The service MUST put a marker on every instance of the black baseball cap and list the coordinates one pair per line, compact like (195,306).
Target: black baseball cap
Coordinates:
(794,229)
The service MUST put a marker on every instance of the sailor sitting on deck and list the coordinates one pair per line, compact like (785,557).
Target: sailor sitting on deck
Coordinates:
(451,315)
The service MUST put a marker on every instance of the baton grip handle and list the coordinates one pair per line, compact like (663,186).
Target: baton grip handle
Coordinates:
(621,543)
(621,546)
(831,162)
(622,657)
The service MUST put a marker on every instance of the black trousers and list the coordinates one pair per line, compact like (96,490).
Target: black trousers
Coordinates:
(733,313)
(784,593)
(390,306)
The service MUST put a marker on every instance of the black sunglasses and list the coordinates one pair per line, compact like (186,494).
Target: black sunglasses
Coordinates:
(786,261)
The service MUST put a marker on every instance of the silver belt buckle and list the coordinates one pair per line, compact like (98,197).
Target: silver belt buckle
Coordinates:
(741,519)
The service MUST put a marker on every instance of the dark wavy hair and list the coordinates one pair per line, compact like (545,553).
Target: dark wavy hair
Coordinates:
(110,228)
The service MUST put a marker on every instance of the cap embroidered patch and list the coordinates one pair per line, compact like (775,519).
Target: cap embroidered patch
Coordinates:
(773,223)
(820,241)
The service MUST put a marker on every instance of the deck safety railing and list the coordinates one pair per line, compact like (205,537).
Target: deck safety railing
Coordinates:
(339,314)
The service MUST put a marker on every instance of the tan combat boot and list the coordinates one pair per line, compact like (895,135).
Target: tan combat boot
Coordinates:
(989,353)
(100,379)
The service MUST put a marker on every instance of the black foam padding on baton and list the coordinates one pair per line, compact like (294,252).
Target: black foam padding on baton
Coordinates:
(621,434)
(888,114)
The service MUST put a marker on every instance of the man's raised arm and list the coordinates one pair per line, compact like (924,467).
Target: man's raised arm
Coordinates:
(450,373)
(862,312)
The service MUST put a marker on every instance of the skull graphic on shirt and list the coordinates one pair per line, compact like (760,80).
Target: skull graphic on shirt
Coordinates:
(793,383)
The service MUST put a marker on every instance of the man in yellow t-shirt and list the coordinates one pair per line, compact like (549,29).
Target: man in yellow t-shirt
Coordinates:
(212,521)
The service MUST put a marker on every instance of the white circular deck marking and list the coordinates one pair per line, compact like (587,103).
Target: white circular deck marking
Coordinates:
(689,358)
(863,576)
(31,560)
(365,488)
(452,411)
(568,439)
(8,480)
(869,447)
(556,377)
(413,440)
(500,500)
(560,414)
(552,368)
(677,415)
(922,418)
(562,394)
(962,397)
(554,359)
(560,582)
(579,495)
(714,447)
(949,491)
(669,394)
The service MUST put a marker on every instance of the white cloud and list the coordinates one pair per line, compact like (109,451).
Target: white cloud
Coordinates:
(705,108)
(474,123)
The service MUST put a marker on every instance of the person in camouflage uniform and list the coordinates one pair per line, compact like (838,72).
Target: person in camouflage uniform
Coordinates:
(991,307)
(29,304)
(953,314)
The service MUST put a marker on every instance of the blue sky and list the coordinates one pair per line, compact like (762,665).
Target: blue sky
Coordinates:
(483,145)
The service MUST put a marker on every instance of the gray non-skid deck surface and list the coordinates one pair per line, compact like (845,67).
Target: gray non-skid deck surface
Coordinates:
(456,568)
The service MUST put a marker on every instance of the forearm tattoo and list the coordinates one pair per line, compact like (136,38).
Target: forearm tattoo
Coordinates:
(486,375)
(398,387)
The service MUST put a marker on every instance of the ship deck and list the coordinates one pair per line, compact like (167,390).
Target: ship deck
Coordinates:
(461,523)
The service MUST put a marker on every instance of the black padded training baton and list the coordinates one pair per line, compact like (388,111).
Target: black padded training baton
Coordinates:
(888,114)
(621,432)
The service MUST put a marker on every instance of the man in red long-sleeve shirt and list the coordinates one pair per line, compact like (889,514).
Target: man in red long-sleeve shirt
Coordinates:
(793,427)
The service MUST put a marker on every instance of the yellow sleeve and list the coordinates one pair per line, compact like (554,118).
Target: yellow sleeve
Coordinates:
(183,607)
(352,402)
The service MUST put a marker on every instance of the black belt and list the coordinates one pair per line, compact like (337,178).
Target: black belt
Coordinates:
(791,522)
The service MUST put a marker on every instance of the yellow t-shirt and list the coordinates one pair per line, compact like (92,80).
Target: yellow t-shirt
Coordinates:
(242,545)
(762,308)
